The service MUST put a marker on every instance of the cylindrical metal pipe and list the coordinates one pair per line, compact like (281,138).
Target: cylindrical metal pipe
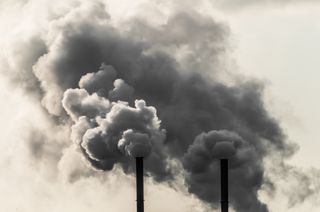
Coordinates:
(224,184)
(139,184)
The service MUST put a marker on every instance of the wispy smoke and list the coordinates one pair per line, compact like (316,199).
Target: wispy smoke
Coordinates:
(135,89)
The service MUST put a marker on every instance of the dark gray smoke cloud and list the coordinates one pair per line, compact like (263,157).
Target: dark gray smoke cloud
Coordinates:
(202,161)
(130,89)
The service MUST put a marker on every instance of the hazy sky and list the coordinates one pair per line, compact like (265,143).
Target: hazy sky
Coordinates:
(275,42)
(280,45)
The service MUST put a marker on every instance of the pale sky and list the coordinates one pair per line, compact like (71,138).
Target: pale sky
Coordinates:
(277,43)
(280,46)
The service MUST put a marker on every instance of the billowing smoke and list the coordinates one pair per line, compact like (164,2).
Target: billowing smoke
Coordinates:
(106,132)
(134,89)
(202,162)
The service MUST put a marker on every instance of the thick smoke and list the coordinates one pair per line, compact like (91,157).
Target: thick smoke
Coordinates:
(202,162)
(106,132)
(135,89)
(185,101)
(135,144)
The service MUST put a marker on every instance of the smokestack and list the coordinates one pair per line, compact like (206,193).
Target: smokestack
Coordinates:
(224,184)
(139,182)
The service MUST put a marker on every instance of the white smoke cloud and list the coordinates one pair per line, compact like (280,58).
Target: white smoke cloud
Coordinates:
(78,102)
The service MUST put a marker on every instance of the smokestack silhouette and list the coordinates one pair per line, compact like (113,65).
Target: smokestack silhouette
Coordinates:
(224,184)
(139,184)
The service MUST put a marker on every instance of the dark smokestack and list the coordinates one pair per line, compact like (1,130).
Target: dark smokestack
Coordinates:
(139,181)
(224,184)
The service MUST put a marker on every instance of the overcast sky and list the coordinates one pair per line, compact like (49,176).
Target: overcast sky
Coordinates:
(274,42)
(279,45)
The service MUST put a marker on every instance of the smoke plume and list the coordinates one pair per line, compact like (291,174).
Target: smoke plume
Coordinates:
(106,132)
(202,162)
(136,89)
